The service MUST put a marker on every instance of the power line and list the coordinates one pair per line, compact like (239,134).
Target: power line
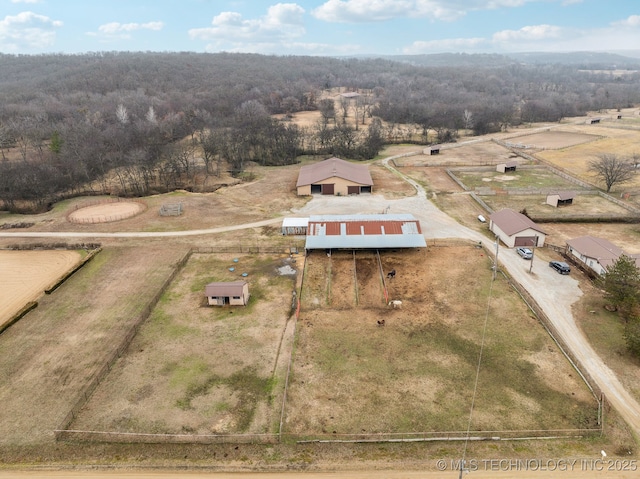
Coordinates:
(475,386)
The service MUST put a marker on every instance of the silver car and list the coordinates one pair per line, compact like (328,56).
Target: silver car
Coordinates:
(526,253)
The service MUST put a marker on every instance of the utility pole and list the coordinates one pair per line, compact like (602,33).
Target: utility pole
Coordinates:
(495,260)
(533,253)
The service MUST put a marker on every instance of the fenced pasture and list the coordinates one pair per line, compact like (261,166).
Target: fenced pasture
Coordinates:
(51,357)
(414,375)
(585,208)
(614,139)
(201,373)
(25,275)
(552,139)
(531,179)
(475,153)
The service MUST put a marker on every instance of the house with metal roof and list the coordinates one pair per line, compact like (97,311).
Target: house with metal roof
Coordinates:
(516,229)
(334,176)
(596,254)
(233,293)
(364,232)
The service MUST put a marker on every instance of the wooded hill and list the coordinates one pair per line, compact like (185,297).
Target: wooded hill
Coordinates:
(68,122)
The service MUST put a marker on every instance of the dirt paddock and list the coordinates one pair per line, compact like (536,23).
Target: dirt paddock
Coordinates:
(24,275)
(106,212)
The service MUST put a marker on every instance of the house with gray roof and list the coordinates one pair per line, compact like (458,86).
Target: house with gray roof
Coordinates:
(515,229)
(596,254)
(334,176)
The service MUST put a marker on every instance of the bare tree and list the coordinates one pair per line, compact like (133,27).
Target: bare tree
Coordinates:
(612,170)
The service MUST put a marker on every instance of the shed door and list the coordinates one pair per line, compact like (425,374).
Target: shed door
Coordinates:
(525,241)
(328,189)
(353,190)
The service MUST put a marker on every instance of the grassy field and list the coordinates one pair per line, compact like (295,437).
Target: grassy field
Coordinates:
(529,178)
(197,369)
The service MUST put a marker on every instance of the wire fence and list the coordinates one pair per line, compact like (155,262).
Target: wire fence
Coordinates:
(64,432)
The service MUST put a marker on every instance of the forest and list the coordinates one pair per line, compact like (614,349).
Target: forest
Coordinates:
(133,124)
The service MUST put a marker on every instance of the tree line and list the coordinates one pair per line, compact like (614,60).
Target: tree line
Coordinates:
(160,121)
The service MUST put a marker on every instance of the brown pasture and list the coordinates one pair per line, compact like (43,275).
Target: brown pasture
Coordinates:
(354,376)
(24,275)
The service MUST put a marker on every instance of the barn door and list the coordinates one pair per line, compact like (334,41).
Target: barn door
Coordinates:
(353,190)
(328,189)
(529,241)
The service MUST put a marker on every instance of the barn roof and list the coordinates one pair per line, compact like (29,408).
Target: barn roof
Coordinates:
(512,222)
(564,195)
(333,167)
(226,288)
(364,232)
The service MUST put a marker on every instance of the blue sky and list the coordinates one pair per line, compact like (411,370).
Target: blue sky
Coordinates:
(319,27)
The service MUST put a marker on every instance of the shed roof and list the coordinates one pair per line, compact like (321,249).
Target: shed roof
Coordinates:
(512,222)
(295,222)
(364,231)
(510,163)
(225,288)
(564,195)
(332,167)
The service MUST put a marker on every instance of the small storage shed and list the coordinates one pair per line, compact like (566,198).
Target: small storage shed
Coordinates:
(232,293)
(561,198)
(516,229)
(507,167)
(295,226)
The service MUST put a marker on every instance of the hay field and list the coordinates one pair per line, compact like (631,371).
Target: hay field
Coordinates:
(24,275)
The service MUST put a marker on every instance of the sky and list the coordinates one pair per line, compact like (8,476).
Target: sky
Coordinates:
(319,27)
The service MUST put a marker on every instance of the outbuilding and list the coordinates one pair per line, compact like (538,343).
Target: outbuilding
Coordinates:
(364,232)
(232,293)
(562,198)
(507,167)
(515,229)
(295,226)
(334,176)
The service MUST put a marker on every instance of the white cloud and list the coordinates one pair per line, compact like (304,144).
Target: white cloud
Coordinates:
(122,31)
(27,31)
(115,27)
(283,21)
(343,11)
(447,45)
(528,33)
(285,48)
(26,1)
(630,22)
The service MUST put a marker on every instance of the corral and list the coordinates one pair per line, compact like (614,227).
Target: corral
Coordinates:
(365,370)
(24,275)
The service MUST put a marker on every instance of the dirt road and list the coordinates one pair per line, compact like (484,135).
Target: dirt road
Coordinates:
(569,470)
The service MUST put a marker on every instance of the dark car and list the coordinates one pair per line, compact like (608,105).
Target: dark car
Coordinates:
(526,253)
(560,266)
